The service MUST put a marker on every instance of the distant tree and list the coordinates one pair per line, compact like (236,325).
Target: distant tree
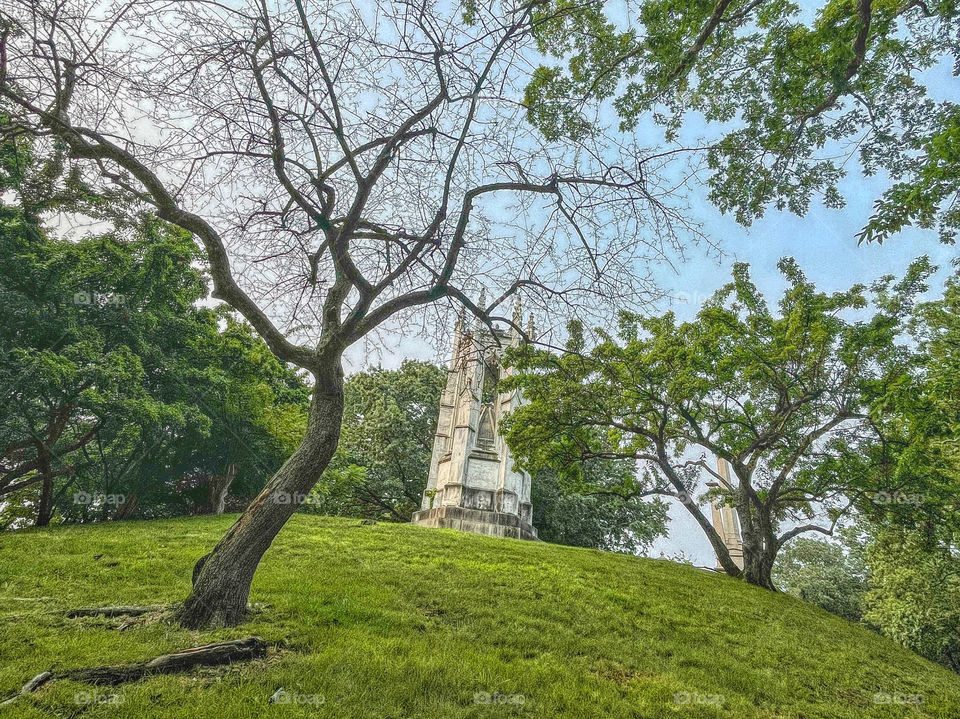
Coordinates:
(914,552)
(829,574)
(794,90)
(250,398)
(599,515)
(919,419)
(938,331)
(113,381)
(783,396)
(71,323)
(914,591)
(114,384)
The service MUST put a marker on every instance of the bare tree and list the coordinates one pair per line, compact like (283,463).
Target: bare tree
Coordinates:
(342,165)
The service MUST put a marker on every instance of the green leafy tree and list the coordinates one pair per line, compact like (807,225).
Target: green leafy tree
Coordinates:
(914,591)
(339,175)
(914,584)
(939,335)
(71,316)
(254,404)
(597,512)
(114,382)
(792,95)
(831,575)
(783,396)
(922,421)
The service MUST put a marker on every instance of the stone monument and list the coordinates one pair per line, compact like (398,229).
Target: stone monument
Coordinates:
(473,485)
(725,519)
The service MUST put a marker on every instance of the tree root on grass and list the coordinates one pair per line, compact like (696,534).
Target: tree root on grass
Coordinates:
(236,650)
(114,611)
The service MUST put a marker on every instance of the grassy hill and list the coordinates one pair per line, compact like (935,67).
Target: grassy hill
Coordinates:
(403,621)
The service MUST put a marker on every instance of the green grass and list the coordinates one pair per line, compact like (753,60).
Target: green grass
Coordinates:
(403,621)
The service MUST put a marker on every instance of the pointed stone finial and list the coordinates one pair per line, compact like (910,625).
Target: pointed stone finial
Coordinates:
(459,332)
(530,326)
(482,305)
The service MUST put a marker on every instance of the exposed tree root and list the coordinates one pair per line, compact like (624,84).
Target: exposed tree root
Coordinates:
(113,611)
(236,650)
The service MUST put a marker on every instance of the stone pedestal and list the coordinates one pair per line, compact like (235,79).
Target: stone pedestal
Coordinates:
(478,521)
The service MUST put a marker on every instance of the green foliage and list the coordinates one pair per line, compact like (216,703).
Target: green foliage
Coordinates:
(114,382)
(792,96)
(914,460)
(914,595)
(598,516)
(381,464)
(828,574)
(783,396)
(430,618)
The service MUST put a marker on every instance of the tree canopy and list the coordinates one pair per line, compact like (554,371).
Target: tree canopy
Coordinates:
(338,164)
(790,93)
(116,387)
(784,396)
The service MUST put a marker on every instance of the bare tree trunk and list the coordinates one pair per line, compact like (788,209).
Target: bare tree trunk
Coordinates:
(221,579)
(218,487)
(758,570)
(127,509)
(45,469)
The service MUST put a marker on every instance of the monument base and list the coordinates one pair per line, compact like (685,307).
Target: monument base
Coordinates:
(478,521)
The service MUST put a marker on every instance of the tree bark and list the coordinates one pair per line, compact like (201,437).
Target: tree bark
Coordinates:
(127,509)
(45,470)
(218,487)
(235,650)
(209,655)
(132,611)
(222,578)
(758,566)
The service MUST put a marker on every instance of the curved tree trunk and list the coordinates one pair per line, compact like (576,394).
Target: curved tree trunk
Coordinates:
(221,579)
(45,469)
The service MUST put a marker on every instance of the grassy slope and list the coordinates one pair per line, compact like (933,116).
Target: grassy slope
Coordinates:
(403,621)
